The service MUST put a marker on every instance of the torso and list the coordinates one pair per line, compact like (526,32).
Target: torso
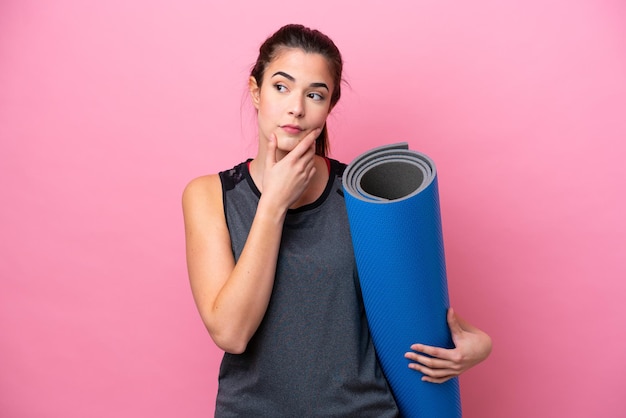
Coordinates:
(312,354)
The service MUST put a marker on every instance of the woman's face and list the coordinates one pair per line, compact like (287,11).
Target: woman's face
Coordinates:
(294,97)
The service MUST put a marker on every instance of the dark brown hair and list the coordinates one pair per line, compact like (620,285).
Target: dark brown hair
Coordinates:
(310,41)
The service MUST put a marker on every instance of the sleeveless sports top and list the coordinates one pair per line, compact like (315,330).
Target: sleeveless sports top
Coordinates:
(312,355)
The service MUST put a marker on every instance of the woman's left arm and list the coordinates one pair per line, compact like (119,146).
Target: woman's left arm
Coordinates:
(440,364)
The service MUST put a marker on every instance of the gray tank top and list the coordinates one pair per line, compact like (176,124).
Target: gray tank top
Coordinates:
(312,355)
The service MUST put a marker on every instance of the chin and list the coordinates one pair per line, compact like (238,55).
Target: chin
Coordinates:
(286,144)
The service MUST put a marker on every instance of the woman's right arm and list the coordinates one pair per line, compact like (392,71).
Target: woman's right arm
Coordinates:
(232,297)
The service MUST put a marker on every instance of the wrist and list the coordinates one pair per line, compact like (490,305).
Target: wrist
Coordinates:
(269,210)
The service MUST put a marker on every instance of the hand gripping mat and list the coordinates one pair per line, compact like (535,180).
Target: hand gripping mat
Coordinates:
(395,223)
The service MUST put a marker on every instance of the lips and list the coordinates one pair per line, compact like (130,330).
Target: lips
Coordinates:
(292,129)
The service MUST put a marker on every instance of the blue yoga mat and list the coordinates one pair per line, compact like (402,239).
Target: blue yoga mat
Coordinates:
(395,223)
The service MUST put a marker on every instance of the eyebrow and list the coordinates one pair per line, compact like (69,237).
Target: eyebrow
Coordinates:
(291,78)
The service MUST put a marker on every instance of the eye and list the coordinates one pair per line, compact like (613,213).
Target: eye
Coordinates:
(280,87)
(316,96)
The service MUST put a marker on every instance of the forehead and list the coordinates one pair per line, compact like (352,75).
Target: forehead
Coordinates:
(303,66)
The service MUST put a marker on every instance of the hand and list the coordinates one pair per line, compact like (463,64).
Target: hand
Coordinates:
(285,180)
(440,364)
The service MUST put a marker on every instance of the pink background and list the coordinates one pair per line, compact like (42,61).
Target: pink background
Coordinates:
(107,109)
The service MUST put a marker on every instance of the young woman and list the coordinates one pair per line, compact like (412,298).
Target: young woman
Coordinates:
(271,264)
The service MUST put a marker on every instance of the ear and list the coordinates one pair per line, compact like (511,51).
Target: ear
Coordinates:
(255,91)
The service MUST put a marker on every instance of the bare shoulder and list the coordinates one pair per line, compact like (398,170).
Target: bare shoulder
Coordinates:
(202,188)
(203,195)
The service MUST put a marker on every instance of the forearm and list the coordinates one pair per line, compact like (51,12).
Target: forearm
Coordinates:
(240,305)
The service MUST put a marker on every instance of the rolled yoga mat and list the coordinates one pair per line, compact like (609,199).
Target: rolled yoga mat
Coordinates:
(393,210)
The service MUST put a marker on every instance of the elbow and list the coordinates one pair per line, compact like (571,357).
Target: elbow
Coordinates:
(230,342)
(231,347)
(227,334)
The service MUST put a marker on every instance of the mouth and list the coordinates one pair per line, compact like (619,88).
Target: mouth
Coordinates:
(292,129)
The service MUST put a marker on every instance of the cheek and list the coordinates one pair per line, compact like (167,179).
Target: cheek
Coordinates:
(321,115)
(267,108)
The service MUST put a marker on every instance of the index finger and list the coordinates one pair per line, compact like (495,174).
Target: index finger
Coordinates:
(436,352)
(305,143)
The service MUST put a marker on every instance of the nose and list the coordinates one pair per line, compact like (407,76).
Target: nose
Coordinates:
(296,106)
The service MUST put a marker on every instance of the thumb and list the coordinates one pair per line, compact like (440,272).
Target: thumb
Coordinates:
(455,326)
(270,157)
